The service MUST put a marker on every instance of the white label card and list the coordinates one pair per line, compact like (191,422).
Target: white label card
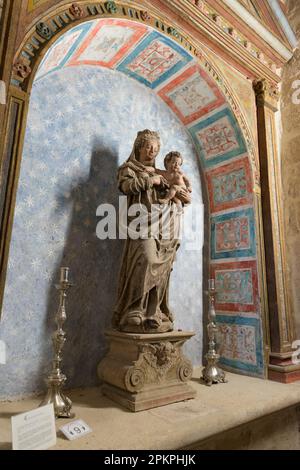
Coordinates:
(75,429)
(34,430)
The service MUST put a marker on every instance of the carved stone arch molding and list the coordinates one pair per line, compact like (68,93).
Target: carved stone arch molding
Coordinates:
(230,169)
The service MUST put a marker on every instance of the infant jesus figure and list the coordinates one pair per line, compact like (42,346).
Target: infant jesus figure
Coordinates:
(179,184)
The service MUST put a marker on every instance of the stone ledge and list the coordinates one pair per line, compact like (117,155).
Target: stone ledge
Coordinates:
(217,409)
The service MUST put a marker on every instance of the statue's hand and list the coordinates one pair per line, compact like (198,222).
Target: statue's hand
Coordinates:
(150,170)
(185,196)
(159,180)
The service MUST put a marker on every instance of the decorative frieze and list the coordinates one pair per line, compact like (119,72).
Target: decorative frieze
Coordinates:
(234,33)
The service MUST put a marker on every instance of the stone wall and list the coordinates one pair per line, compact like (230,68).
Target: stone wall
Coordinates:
(290,108)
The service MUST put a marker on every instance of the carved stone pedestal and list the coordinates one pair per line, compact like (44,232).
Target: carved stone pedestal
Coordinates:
(143,371)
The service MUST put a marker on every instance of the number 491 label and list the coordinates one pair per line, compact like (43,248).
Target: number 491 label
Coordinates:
(75,429)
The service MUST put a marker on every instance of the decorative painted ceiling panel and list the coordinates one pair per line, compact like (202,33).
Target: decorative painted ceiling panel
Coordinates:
(218,138)
(132,48)
(107,43)
(154,60)
(192,94)
(59,54)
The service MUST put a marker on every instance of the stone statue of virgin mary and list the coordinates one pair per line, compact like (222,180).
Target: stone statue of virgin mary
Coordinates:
(142,305)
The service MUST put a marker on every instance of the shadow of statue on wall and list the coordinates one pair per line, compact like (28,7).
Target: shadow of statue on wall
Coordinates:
(94,267)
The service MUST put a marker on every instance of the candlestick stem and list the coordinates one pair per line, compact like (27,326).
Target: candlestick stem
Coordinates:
(211,373)
(56,379)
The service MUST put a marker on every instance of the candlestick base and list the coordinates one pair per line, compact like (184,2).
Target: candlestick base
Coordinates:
(212,374)
(62,404)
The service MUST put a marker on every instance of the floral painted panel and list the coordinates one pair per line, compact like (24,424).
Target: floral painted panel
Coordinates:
(233,235)
(108,42)
(154,60)
(239,343)
(192,94)
(59,53)
(236,285)
(218,138)
(230,185)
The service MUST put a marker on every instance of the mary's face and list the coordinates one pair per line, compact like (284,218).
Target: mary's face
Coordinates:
(148,152)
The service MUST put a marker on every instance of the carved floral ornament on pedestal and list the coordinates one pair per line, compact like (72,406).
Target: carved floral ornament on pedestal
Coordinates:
(154,363)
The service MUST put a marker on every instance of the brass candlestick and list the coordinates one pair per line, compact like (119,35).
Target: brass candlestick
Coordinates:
(56,380)
(212,374)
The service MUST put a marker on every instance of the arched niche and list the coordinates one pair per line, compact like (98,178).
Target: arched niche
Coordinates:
(229,171)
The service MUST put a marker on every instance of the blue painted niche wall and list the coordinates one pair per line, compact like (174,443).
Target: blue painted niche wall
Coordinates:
(81,126)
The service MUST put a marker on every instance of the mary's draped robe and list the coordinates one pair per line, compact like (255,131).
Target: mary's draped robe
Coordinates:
(142,305)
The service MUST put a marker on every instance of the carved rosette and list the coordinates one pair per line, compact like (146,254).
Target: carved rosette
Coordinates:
(233,33)
(111,7)
(145,15)
(21,69)
(44,31)
(173,32)
(185,370)
(135,378)
(76,11)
